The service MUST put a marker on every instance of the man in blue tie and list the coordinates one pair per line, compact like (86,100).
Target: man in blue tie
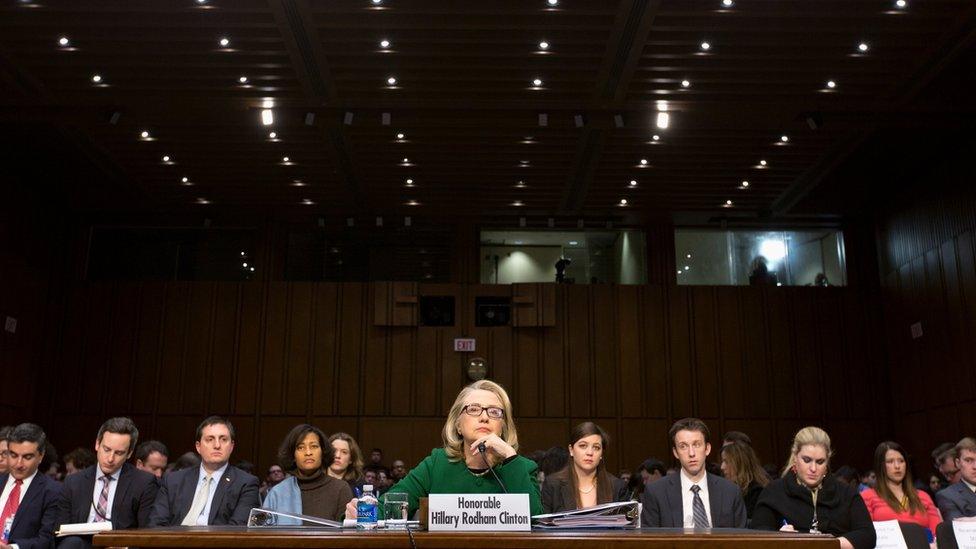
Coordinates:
(112,490)
(216,493)
(693,498)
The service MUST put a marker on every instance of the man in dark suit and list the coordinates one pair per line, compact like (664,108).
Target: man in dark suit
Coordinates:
(215,493)
(693,498)
(111,490)
(28,501)
(959,500)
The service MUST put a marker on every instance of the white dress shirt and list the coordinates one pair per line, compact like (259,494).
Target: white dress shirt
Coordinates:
(687,497)
(217,476)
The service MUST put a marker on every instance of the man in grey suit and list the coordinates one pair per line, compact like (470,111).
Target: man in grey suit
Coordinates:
(693,498)
(215,493)
(959,500)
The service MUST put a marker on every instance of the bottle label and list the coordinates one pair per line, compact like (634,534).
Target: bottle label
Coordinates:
(366,512)
(7,524)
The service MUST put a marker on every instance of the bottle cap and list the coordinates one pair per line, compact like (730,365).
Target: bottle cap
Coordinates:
(367,487)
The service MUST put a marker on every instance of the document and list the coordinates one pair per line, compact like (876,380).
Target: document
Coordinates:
(83,528)
(618,514)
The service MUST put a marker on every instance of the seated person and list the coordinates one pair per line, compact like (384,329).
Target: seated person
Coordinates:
(347,464)
(807,499)
(308,489)
(895,496)
(215,492)
(741,466)
(28,499)
(693,498)
(959,499)
(481,414)
(111,490)
(584,482)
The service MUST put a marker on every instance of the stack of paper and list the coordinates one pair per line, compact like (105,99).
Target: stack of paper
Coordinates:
(619,514)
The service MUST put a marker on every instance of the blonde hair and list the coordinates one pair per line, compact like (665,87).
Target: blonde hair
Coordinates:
(453,443)
(808,436)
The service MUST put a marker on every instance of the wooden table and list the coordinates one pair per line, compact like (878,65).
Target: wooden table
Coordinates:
(234,536)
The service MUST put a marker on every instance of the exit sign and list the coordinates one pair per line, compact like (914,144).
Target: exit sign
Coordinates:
(464,344)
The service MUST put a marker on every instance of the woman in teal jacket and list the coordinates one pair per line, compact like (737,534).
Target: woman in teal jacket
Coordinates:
(481,414)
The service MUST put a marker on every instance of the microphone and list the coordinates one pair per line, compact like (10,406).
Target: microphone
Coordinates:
(483,450)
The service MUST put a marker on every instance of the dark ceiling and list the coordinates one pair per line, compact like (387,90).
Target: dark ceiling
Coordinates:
(464,99)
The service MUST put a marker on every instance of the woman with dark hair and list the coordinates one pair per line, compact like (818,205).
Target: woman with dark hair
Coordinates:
(308,490)
(348,462)
(741,466)
(894,497)
(584,482)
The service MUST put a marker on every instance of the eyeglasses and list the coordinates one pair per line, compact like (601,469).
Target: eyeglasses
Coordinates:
(474,410)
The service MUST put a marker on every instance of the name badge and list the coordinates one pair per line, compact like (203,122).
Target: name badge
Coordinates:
(889,535)
(478,513)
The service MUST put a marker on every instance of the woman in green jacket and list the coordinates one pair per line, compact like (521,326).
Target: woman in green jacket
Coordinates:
(481,414)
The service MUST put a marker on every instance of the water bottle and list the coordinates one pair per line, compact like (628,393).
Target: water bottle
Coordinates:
(366,509)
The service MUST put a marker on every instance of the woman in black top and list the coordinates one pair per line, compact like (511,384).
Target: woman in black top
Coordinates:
(807,499)
(584,482)
(741,466)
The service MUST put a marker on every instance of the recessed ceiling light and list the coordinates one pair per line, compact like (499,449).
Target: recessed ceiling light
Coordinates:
(705,46)
(685,83)
(573,243)
(64,42)
(831,84)
(384,44)
(728,202)
(242,80)
(623,201)
(745,184)
(413,203)
(202,200)
(520,184)
(727,3)
(406,160)
(663,120)
(543,45)
(762,162)
(267,117)
(901,4)
(144,134)
(400,136)
(643,161)
(307,202)
(202,1)
(166,158)
(297,183)
(224,42)
(552,2)
(272,135)
(377,2)
(285,159)
(391,81)
(633,182)
(537,82)
(96,78)
(518,203)
(863,47)
(409,182)
(688,256)
(656,137)
(784,138)
(185,180)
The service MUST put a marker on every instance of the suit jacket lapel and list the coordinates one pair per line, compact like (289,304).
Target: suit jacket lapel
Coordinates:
(125,481)
(714,498)
(184,498)
(33,492)
(674,501)
(86,501)
(221,491)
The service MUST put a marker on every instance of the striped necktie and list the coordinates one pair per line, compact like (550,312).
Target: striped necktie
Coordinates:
(698,509)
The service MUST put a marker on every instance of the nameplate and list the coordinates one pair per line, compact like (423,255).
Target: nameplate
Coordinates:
(478,513)
(965,531)
(889,535)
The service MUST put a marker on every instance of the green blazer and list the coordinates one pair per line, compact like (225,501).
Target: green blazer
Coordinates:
(438,475)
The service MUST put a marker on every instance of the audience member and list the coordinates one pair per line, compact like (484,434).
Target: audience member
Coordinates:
(398,470)
(78,459)
(216,492)
(554,460)
(308,489)
(369,477)
(31,497)
(651,470)
(741,466)
(480,443)
(584,482)
(846,474)
(189,460)
(736,436)
(869,479)
(348,461)
(624,475)
(152,457)
(4,433)
(110,491)
(635,488)
(759,274)
(376,462)
(894,497)
(49,463)
(934,484)
(806,499)
(383,483)
(246,466)
(959,499)
(944,457)
(275,475)
(693,498)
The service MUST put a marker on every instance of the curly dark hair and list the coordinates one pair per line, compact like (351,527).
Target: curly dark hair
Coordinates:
(286,453)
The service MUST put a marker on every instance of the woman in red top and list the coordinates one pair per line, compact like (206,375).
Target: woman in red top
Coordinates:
(895,497)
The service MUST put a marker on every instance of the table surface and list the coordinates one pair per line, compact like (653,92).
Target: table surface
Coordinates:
(236,536)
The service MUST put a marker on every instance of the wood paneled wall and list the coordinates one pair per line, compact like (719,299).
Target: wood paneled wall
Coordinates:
(633,358)
(928,264)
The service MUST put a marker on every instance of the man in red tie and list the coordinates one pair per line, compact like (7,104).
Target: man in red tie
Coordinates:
(29,501)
